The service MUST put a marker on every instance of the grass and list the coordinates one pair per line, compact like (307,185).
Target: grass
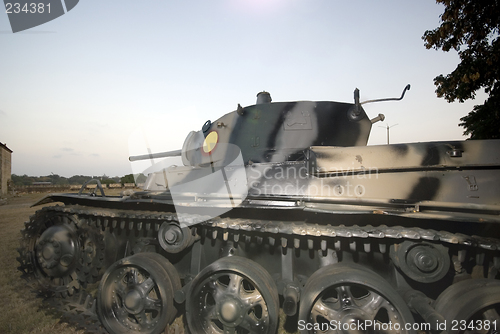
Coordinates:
(21,312)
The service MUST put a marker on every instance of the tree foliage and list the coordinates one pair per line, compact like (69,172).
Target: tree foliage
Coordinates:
(131,178)
(26,180)
(54,179)
(471,27)
(79,179)
(108,181)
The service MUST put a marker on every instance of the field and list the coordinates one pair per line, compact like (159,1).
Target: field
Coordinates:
(21,312)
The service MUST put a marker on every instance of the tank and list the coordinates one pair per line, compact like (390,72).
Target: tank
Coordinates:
(282,208)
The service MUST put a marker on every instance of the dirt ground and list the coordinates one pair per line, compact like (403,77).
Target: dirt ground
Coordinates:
(21,312)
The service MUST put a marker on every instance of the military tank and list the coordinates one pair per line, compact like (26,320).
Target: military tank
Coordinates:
(282,207)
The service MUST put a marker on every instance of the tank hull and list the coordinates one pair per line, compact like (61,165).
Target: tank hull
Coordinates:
(282,214)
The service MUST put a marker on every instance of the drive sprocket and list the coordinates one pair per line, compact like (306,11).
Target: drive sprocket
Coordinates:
(60,253)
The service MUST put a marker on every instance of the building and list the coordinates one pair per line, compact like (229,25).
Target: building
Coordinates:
(5,168)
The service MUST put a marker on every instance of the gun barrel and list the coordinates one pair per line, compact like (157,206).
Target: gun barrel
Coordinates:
(176,153)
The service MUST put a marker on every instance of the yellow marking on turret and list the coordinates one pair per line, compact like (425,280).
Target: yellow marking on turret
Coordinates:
(210,142)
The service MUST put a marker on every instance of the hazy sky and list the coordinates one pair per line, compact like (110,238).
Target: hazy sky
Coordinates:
(73,90)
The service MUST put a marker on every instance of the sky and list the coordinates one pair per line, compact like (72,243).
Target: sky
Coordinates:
(75,91)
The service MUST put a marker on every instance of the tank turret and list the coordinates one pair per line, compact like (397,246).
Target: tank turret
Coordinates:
(277,132)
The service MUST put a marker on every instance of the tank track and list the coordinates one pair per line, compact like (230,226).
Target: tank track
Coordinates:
(78,308)
(288,230)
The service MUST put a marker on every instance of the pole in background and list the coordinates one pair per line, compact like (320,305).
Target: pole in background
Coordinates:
(388,127)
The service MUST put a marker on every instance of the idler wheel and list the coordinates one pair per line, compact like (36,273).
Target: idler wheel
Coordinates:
(233,295)
(423,262)
(471,306)
(135,295)
(339,297)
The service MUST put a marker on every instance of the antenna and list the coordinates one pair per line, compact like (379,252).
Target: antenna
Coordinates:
(389,99)
(354,113)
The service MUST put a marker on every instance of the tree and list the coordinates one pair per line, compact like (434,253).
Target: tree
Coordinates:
(141,178)
(471,27)
(107,181)
(129,178)
(79,179)
(23,180)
